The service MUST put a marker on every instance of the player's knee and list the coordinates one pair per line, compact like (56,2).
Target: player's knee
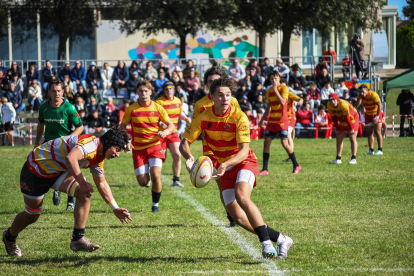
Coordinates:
(32,214)
(242,200)
(143,181)
(176,156)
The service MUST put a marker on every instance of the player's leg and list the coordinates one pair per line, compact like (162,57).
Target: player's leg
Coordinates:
(176,166)
(354,147)
(290,141)
(384,128)
(155,171)
(370,134)
(266,151)
(283,134)
(377,130)
(339,146)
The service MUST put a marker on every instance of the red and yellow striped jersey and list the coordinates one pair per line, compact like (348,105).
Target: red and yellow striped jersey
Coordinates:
(344,112)
(48,159)
(173,108)
(278,112)
(370,102)
(222,133)
(292,98)
(145,121)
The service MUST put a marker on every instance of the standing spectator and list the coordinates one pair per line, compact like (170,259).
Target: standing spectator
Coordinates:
(321,120)
(266,68)
(304,119)
(325,92)
(78,76)
(132,83)
(346,62)
(150,72)
(164,68)
(282,69)
(14,69)
(34,95)
(159,82)
(341,88)
(190,80)
(4,83)
(15,97)
(65,71)
(332,55)
(236,71)
(135,68)
(96,124)
(259,103)
(9,115)
(2,68)
(47,73)
(18,82)
(68,82)
(190,67)
(82,93)
(353,93)
(405,100)
(319,67)
(253,65)
(32,74)
(314,96)
(93,106)
(94,93)
(297,77)
(120,77)
(322,79)
(359,54)
(93,76)
(106,76)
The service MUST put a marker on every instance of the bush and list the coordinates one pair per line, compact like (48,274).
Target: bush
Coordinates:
(405,45)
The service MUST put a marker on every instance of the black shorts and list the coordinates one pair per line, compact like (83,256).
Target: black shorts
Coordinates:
(33,185)
(8,126)
(283,134)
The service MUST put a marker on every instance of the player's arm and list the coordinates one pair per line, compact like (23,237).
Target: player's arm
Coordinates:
(39,132)
(379,109)
(359,100)
(78,130)
(72,164)
(237,159)
(265,115)
(170,128)
(189,136)
(184,117)
(186,153)
(122,214)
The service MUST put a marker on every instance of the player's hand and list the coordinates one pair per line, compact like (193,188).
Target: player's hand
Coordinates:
(123,215)
(86,188)
(163,134)
(129,147)
(188,120)
(220,171)
(189,163)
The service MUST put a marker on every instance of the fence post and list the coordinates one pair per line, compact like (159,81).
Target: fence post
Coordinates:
(393,126)
(30,134)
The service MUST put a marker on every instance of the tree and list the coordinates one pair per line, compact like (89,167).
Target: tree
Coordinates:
(405,45)
(4,17)
(408,10)
(177,17)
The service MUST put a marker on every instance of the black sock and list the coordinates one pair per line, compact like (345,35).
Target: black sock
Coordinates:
(229,217)
(379,148)
(265,160)
(293,158)
(353,157)
(261,231)
(273,234)
(176,178)
(78,234)
(10,237)
(338,158)
(156,197)
(371,149)
(71,199)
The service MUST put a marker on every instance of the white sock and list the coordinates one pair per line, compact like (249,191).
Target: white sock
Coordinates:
(154,204)
(268,242)
(280,239)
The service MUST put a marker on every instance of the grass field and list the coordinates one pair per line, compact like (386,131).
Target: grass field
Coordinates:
(344,219)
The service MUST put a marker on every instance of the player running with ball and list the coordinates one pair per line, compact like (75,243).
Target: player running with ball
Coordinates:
(226,130)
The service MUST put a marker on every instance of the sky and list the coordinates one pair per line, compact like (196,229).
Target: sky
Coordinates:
(400,4)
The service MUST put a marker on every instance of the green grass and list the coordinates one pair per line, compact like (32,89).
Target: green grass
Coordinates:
(345,220)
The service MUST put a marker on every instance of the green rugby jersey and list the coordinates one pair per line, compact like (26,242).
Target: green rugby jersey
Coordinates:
(58,120)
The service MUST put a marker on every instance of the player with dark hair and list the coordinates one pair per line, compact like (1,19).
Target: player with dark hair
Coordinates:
(57,164)
(226,130)
(148,155)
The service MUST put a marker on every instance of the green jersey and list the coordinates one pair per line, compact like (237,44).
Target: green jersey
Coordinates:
(58,120)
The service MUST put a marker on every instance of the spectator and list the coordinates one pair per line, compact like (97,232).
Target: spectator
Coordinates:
(93,106)
(159,82)
(248,81)
(18,82)
(14,96)
(110,113)
(135,68)
(353,93)
(341,88)
(32,74)
(259,103)
(181,94)
(254,76)
(80,105)
(14,69)
(325,92)
(93,76)
(78,76)
(132,83)
(164,68)
(190,67)
(241,92)
(319,67)
(359,54)
(94,93)
(2,68)
(266,68)
(120,77)
(304,118)
(150,72)
(253,65)
(68,95)
(179,72)
(282,69)
(190,80)
(4,83)
(346,63)
(65,71)
(96,124)
(67,82)
(321,120)
(82,93)
(106,76)
(34,95)
(9,115)
(332,55)
(236,71)
(294,88)
(313,96)
(322,79)
(84,119)
(346,96)
(47,73)
(176,80)
(245,103)
(405,100)
(297,78)
(256,89)
(198,93)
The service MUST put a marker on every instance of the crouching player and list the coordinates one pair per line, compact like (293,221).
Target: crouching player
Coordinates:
(226,130)
(56,164)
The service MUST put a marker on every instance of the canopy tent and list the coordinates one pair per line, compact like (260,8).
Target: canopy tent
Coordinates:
(402,81)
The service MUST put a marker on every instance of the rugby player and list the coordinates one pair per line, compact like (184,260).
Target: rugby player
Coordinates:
(373,117)
(144,116)
(173,106)
(277,98)
(345,120)
(57,164)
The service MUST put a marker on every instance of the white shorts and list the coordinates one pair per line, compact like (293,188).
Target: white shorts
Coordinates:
(242,176)
(290,129)
(152,162)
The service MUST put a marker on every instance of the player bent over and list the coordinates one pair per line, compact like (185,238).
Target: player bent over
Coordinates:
(173,106)
(345,119)
(57,164)
(277,110)
(373,117)
(226,130)
(144,116)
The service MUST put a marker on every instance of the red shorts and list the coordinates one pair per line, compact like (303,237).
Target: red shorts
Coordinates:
(213,159)
(370,119)
(140,157)
(292,122)
(355,126)
(276,127)
(229,179)
(172,138)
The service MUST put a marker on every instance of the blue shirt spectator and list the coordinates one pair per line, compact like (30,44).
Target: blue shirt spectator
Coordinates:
(120,77)
(65,72)
(32,74)
(78,75)
(2,68)
(15,97)
(160,81)
(47,73)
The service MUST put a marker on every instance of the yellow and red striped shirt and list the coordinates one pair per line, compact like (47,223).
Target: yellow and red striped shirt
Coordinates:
(223,133)
(48,159)
(278,112)
(145,121)
(173,108)
(370,102)
(344,112)
(292,98)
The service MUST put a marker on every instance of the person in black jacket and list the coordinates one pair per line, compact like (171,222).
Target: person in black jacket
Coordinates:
(135,68)
(405,100)
(14,69)
(47,73)
(120,77)
(259,103)
(4,83)
(322,79)
(296,77)
(93,76)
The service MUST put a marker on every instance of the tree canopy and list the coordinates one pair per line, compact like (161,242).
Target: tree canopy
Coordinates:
(408,10)
(405,45)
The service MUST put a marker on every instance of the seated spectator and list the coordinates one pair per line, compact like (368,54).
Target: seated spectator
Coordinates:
(80,105)
(266,68)
(78,76)
(65,71)
(2,68)
(197,94)
(135,68)
(176,80)
(14,96)
(257,88)
(94,93)
(120,77)
(361,121)
(68,82)
(325,92)
(132,83)
(47,73)
(68,95)
(341,88)
(34,95)
(332,55)
(96,124)
(14,69)
(190,67)
(150,73)
(282,69)
(164,68)
(254,76)
(93,106)
(236,71)
(346,63)
(353,93)
(81,93)
(321,120)
(190,80)
(179,72)
(181,94)
(110,113)
(322,79)
(259,103)
(346,96)
(9,115)
(298,79)
(304,118)
(106,76)
(294,88)
(93,76)
(253,65)
(248,81)
(319,67)
(4,83)
(32,74)
(313,96)
(241,92)
(18,82)
(84,118)
(245,103)
(159,82)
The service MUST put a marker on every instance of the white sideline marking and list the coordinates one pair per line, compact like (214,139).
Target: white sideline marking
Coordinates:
(232,234)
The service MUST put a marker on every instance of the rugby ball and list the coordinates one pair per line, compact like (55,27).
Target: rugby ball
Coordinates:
(201,172)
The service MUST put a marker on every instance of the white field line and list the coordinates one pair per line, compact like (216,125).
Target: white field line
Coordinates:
(242,243)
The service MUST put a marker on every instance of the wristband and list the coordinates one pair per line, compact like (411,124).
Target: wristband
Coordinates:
(166,130)
(113,205)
